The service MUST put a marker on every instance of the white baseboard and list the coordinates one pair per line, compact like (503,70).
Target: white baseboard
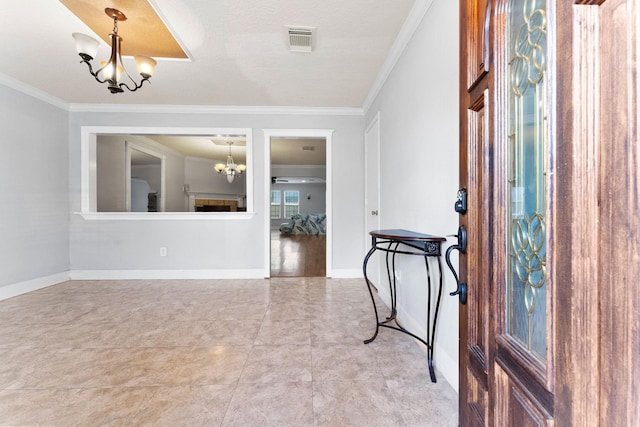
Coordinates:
(20,288)
(441,360)
(165,274)
(338,273)
(190,274)
(385,296)
(447,367)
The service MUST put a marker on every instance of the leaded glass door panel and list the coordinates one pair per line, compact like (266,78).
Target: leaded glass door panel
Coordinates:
(523,368)
(527,148)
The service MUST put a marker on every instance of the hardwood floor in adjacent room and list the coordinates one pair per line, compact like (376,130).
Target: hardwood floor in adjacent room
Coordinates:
(298,255)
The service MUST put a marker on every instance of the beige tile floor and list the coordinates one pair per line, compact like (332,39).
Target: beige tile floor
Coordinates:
(280,352)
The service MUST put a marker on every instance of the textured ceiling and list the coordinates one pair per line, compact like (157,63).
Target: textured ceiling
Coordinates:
(284,151)
(238,50)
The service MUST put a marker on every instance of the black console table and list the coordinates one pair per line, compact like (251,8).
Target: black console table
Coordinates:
(407,242)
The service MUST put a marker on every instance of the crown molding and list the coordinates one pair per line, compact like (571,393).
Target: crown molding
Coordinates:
(409,27)
(213,109)
(175,109)
(33,92)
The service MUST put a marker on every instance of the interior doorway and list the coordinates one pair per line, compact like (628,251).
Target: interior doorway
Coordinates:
(298,199)
(372,195)
(145,182)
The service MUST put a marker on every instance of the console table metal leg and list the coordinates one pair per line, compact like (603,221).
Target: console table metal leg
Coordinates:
(429,335)
(373,301)
(391,277)
(432,320)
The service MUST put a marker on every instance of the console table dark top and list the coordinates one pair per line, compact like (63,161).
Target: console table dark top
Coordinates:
(406,235)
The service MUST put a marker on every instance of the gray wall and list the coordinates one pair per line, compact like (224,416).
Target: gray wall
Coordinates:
(111,159)
(110,172)
(34,178)
(233,246)
(418,108)
(319,171)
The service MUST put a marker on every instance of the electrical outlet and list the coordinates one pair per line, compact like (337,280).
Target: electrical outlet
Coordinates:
(163,251)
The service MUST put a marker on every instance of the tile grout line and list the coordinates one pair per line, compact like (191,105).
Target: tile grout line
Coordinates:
(244,366)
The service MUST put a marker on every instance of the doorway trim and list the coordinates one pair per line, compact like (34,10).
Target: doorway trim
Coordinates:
(372,143)
(131,146)
(374,124)
(327,134)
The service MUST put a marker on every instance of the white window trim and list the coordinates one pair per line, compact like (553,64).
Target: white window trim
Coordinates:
(285,204)
(273,204)
(88,177)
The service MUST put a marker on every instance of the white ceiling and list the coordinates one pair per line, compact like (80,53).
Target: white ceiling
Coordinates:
(238,49)
(284,151)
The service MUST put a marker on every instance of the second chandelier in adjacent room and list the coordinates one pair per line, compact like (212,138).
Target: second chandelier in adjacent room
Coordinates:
(230,170)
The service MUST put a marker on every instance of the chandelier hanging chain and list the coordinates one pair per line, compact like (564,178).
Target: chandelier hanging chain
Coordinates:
(115,24)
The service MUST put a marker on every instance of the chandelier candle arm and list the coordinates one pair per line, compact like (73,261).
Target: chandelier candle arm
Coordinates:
(113,69)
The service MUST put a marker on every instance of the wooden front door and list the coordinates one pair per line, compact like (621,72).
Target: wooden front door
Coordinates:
(549,147)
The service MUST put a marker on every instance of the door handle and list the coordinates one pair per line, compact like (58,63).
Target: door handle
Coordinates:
(462,239)
(461,287)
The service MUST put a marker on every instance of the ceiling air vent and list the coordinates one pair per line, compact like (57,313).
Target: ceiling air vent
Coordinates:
(300,39)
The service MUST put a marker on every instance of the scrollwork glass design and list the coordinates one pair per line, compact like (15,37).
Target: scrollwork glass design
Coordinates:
(527,234)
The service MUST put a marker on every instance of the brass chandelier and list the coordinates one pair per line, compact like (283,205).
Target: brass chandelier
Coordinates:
(112,70)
